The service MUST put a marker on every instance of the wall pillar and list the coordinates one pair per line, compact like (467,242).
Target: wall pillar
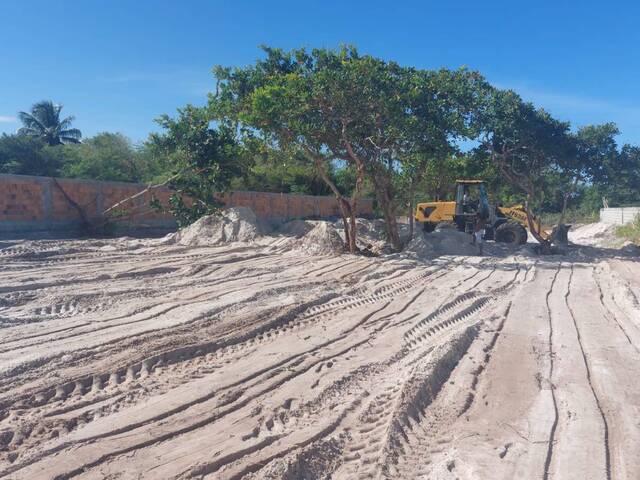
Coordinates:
(47,199)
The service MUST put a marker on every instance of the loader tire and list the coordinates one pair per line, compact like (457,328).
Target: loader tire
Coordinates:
(511,233)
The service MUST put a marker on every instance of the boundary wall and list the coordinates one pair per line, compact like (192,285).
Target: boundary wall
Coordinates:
(30,204)
(618,216)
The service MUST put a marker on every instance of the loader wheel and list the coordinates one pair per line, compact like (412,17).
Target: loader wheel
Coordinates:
(428,227)
(511,233)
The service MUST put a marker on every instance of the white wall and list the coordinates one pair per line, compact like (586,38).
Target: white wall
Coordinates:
(618,216)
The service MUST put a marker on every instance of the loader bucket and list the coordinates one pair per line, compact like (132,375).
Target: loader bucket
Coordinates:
(561,233)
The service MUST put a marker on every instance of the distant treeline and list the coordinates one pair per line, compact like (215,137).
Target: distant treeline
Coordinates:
(337,122)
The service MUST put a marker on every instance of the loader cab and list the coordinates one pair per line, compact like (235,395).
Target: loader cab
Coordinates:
(472,202)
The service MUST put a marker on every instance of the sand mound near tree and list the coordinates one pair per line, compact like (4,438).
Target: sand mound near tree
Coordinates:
(237,224)
(297,228)
(322,239)
(371,235)
(445,241)
(315,237)
(596,235)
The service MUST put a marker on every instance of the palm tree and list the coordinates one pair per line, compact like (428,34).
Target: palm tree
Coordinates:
(44,122)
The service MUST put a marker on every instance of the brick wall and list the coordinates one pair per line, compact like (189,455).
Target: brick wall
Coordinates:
(37,204)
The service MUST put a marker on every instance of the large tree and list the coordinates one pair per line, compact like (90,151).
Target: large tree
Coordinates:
(339,105)
(303,101)
(529,147)
(435,109)
(624,187)
(44,122)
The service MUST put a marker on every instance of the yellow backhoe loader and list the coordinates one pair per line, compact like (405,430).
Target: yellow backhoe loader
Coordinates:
(502,224)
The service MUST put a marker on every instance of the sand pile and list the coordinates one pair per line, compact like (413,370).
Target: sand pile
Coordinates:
(297,228)
(371,235)
(445,241)
(368,230)
(420,247)
(237,224)
(316,237)
(322,239)
(596,235)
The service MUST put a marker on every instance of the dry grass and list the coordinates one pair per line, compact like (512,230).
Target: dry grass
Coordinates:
(631,231)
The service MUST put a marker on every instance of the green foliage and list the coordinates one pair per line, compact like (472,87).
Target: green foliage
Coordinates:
(344,177)
(201,161)
(630,231)
(108,156)
(526,144)
(311,103)
(380,119)
(22,155)
(44,122)
(327,121)
(269,169)
(622,186)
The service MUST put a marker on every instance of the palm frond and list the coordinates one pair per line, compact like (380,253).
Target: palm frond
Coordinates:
(44,122)
(68,140)
(31,122)
(28,132)
(66,123)
(47,112)
(72,135)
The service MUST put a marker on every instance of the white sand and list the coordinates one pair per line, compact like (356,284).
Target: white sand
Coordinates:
(257,357)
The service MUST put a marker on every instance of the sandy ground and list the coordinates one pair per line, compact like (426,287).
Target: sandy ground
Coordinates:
(125,359)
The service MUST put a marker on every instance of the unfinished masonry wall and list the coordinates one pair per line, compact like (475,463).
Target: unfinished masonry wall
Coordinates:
(619,216)
(31,204)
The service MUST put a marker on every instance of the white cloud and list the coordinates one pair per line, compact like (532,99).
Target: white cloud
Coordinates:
(7,119)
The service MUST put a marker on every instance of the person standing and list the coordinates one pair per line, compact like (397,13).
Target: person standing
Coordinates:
(478,234)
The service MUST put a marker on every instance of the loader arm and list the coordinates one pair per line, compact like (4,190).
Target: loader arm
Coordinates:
(518,213)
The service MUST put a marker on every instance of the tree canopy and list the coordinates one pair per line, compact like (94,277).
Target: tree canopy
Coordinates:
(44,122)
(375,116)
(335,121)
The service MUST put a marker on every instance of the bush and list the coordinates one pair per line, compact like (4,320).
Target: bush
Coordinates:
(630,231)
(576,215)
(22,155)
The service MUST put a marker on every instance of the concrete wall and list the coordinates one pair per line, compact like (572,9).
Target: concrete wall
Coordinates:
(41,204)
(618,216)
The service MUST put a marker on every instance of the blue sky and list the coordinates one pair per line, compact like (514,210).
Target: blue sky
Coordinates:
(116,65)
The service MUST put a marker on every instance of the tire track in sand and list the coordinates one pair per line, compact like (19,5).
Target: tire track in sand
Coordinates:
(588,369)
(554,426)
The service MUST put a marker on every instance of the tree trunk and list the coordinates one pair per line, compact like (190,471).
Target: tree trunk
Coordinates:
(345,223)
(392,229)
(346,212)
(565,201)
(384,196)
(350,226)
(355,197)
(410,216)
(545,243)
